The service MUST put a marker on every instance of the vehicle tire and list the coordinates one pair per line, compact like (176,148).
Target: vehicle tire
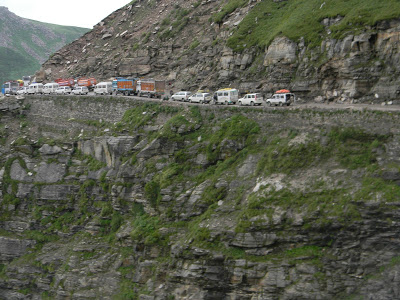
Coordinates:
(288,104)
(251,103)
(240,103)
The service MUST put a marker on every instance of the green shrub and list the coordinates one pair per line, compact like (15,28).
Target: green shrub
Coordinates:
(212,194)
(354,147)
(146,230)
(194,44)
(152,192)
(284,158)
(116,221)
(237,128)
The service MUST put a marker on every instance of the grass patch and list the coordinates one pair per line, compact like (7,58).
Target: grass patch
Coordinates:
(295,19)
(146,230)
(351,147)
(228,8)
(135,118)
(239,129)
(378,189)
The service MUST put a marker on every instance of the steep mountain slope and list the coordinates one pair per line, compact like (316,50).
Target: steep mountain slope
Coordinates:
(338,50)
(26,44)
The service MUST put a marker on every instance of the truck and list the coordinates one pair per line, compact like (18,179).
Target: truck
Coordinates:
(125,86)
(281,97)
(26,80)
(150,88)
(10,88)
(65,82)
(90,83)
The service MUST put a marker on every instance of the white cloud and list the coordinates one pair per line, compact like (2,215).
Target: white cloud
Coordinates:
(80,13)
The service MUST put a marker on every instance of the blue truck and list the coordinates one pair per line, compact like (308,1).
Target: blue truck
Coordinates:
(125,86)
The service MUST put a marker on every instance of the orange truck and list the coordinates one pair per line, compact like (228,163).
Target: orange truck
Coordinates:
(65,82)
(151,88)
(88,82)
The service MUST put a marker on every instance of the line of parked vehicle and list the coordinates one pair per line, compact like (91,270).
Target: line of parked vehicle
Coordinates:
(231,96)
(64,87)
(153,88)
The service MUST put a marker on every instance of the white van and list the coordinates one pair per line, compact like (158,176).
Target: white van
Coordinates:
(35,88)
(50,88)
(103,88)
(226,96)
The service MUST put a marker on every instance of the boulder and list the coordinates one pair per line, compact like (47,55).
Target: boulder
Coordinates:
(253,240)
(282,50)
(50,173)
(49,150)
(159,146)
(19,173)
(12,248)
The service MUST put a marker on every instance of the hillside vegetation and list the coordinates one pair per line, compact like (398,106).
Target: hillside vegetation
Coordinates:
(26,44)
(297,18)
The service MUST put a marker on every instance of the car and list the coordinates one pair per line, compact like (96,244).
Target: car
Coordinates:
(62,90)
(200,98)
(281,99)
(181,96)
(80,90)
(22,91)
(251,99)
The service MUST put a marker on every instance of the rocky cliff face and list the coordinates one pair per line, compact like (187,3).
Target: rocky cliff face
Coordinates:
(178,41)
(121,199)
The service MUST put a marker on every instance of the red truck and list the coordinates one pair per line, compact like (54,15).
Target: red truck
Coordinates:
(65,82)
(150,88)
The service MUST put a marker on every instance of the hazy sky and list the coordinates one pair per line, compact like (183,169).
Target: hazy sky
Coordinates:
(80,13)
